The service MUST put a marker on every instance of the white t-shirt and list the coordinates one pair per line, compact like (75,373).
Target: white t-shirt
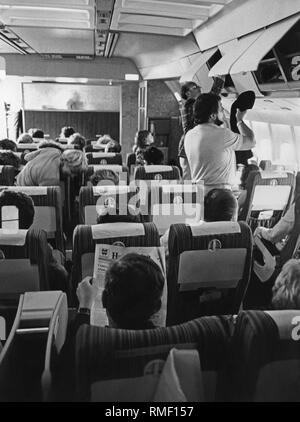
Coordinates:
(210,152)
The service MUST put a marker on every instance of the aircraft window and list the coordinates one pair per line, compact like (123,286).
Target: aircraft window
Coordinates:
(283,146)
(263,148)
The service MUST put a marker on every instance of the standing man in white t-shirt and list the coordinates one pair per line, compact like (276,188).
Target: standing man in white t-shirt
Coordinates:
(210,148)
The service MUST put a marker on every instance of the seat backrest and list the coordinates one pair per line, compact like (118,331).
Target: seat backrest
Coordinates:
(157,172)
(25,264)
(175,204)
(205,257)
(7,175)
(40,324)
(121,171)
(47,210)
(92,200)
(106,354)
(104,158)
(86,237)
(266,356)
(269,195)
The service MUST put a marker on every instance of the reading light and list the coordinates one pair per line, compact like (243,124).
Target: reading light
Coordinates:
(131,77)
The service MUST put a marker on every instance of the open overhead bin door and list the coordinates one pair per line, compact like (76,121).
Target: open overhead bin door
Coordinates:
(200,61)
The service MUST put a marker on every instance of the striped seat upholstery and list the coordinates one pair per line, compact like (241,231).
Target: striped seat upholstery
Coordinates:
(48,211)
(7,175)
(103,354)
(162,173)
(122,171)
(271,191)
(205,258)
(104,158)
(84,246)
(26,266)
(89,197)
(266,356)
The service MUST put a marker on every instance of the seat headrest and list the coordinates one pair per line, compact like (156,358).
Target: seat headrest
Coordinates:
(217,227)
(288,323)
(112,189)
(182,188)
(12,237)
(157,168)
(113,167)
(273,174)
(108,231)
(29,190)
(103,154)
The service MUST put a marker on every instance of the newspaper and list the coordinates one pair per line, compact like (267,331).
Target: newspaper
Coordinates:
(104,255)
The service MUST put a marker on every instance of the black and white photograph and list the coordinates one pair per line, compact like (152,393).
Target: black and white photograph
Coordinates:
(149,204)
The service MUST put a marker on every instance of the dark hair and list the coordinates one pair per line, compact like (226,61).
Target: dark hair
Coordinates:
(219,205)
(245,174)
(205,105)
(8,144)
(133,289)
(185,89)
(8,158)
(37,133)
(67,131)
(104,175)
(113,215)
(24,204)
(78,141)
(141,138)
(153,155)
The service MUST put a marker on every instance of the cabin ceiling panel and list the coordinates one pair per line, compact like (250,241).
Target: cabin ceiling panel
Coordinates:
(171,17)
(57,40)
(154,50)
(241,17)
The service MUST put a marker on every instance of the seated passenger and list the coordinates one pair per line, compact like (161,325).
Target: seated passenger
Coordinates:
(36,133)
(286,290)
(153,156)
(244,178)
(143,138)
(7,144)
(113,146)
(132,295)
(104,177)
(66,132)
(282,229)
(25,138)
(48,165)
(104,140)
(219,205)
(78,141)
(8,158)
(58,276)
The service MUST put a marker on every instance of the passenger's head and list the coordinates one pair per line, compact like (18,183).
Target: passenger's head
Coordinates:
(113,146)
(286,290)
(143,138)
(73,161)
(25,138)
(207,109)
(190,90)
(112,214)
(8,158)
(24,204)
(8,145)
(153,155)
(78,141)
(220,205)
(66,132)
(36,133)
(133,290)
(103,177)
(245,174)
(104,139)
